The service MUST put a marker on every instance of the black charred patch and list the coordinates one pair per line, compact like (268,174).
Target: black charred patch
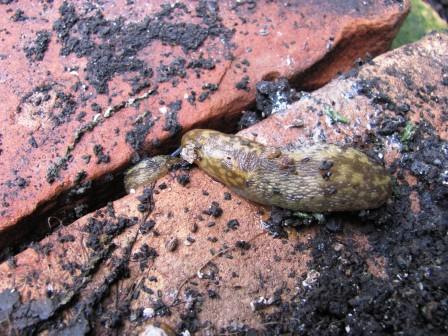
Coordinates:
(54,169)
(208,90)
(68,238)
(142,81)
(112,46)
(171,71)
(19,16)
(60,106)
(18,182)
(103,230)
(271,96)
(243,84)
(136,137)
(146,200)
(248,119)
(36,50)
(32,141)
(147,226)
(202,63)
(171,123)
(101,157)
(391,125)
(161,309)
(65,106)
(144,255)
(243,245)
(275,224)
(190,314)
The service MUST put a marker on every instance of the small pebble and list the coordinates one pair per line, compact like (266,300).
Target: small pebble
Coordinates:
(171,244)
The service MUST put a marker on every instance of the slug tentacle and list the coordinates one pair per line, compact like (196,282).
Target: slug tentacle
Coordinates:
(318,178)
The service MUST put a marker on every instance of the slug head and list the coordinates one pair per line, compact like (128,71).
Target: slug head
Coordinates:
(224,157)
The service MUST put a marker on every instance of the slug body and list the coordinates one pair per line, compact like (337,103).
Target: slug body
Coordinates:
(318,178)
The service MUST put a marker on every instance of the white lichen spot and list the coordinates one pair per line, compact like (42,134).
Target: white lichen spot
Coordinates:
(311,278)
(163,110)
(148,313)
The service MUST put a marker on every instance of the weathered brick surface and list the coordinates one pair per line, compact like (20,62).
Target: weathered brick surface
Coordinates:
(370,98)
(66,57)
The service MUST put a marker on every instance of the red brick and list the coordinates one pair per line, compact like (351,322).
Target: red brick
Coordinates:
(422,62)
(308,41)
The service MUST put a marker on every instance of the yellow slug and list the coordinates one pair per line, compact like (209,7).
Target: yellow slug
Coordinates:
(319,178)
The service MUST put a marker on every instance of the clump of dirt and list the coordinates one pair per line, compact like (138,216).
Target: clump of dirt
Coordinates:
(271,97)
(243,84)
(274,96)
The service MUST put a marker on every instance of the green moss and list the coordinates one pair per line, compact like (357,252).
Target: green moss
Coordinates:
(408,132)
(421,20)
(335,116)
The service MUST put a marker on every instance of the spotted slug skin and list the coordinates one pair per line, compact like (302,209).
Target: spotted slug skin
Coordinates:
(319,178)
(148,171)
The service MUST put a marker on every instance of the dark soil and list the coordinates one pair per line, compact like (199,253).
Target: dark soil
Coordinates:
(271,97)
(347,298)
(441,6)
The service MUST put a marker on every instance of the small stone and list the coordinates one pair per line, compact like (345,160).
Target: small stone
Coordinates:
(171,244)
(194,228)
(242,244)
(261,303)
(338,247)
(233,224)
(297,123)
(148,313)
(311,278)
(190,240)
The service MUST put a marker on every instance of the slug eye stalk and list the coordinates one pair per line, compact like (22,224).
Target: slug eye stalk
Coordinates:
(176,153)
